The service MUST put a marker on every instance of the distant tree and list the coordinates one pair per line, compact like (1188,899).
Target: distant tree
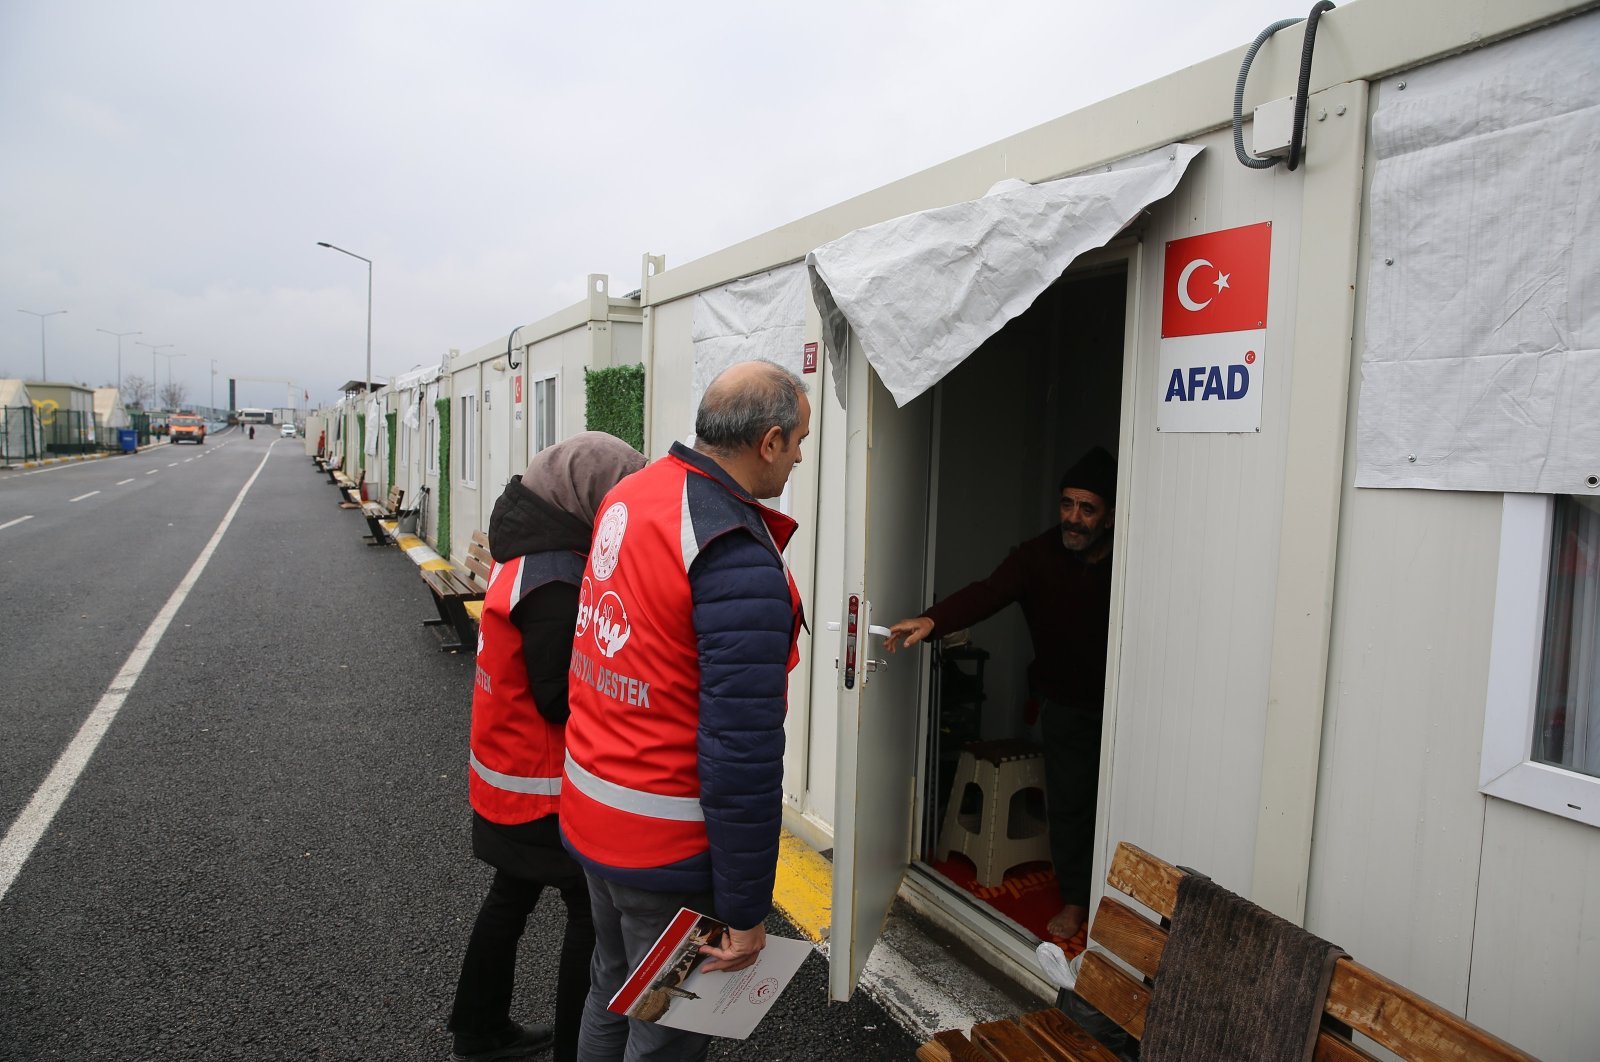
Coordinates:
(137,391)
(173,395)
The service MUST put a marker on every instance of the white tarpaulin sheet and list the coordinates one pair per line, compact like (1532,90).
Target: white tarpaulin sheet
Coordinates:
(409,388)
(761,317)
(1482,359)
(921,292)
(374,422)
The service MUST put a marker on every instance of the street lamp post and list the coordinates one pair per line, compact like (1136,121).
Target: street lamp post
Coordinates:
(44,371)
(119,336)
(213,387)
(155,348)
(367,395)
(169,358)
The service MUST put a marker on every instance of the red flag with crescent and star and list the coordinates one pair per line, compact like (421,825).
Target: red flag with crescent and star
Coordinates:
(1217,282)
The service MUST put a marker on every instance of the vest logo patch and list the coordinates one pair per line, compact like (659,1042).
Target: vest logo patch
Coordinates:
(608,541)
(585,605)
(611,628)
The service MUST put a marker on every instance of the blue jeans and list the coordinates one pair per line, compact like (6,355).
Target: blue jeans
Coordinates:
(627,922)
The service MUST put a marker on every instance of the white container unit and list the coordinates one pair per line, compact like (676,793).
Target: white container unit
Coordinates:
(1319,692)
(412,398)
(523,391)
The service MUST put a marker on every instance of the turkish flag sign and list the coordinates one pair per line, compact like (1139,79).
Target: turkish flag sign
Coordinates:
(1217,282)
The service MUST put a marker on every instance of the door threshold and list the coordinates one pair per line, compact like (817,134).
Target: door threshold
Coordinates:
(990,936)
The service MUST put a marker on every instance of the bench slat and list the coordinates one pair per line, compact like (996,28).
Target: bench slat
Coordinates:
(1057,1032)
(1006,1041)
(1129,935)
(950,1046)
(1113,993)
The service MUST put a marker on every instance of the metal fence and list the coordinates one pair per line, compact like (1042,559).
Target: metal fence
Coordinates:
(25,435)
(21,435)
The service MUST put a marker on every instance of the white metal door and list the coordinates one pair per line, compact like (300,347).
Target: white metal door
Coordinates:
(887,456)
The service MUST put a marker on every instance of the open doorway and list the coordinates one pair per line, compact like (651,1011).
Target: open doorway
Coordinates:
(1022,409)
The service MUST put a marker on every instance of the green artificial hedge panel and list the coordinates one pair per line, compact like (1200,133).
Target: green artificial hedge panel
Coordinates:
(393,422)
(613,402)
(442,539)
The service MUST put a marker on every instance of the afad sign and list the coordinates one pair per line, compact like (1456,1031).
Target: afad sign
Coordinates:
(1214,330)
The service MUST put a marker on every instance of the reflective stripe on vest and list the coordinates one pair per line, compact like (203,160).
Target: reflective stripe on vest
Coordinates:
(633,801)
(512,783)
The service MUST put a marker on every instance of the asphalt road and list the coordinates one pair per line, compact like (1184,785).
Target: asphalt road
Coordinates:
(266,857)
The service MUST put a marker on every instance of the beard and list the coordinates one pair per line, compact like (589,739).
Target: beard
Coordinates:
(1086,539)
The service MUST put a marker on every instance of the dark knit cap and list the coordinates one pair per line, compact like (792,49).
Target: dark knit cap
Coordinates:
(1095,472)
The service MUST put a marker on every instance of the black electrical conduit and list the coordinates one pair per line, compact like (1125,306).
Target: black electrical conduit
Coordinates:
(1245,158)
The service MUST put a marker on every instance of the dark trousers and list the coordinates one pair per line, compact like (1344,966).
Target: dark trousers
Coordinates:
(627,922)
(1071,781)
(488,972)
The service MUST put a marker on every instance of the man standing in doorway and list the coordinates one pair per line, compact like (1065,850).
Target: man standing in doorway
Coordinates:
(1062,580)
(687,624)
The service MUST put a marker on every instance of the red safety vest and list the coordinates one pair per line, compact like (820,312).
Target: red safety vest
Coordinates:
(631,793)
(516,753)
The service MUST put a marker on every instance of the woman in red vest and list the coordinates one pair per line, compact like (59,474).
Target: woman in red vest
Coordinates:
(539,536)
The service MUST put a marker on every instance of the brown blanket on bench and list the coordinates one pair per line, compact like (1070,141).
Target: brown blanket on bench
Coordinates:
(1235,982)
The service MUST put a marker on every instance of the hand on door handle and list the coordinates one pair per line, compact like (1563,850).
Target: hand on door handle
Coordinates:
(912,630)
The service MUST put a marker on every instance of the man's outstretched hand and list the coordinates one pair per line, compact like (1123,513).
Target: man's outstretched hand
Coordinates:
(908,632)
(740,948)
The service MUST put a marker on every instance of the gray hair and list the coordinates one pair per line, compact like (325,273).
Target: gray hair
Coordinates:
(734,414)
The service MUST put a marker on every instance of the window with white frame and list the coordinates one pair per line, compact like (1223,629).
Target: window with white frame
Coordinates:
(546,426)
(1541,744)
(469,440)
(431,418)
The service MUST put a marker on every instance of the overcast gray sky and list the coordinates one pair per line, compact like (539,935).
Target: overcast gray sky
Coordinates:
(169,166)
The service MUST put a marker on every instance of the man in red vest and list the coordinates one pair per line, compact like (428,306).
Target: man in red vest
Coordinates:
(687,625)
(538,535)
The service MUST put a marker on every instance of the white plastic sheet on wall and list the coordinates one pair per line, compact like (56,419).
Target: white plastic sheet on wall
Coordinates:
(923,291)
(760,317)
(1482,359)
(374,415)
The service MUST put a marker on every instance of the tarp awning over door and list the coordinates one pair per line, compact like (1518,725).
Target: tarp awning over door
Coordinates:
(922,292)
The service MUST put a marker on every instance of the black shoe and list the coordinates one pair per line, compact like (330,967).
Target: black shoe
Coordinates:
(514,1044)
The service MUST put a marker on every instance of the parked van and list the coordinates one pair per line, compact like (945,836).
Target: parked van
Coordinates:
(187,427)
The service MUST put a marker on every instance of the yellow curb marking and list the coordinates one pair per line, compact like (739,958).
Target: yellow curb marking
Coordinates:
(410,541)
(438,564)
(804,887)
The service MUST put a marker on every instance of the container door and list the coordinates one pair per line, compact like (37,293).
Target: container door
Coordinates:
(887,455)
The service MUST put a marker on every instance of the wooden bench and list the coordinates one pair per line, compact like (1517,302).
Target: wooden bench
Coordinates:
(330,465)
(458,593)
(349,488)
(1358,998)
(377,512)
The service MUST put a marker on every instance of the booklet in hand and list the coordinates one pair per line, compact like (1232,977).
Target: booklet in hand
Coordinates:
(669,987)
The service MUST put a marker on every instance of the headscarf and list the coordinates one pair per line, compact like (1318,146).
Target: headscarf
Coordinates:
(576,473)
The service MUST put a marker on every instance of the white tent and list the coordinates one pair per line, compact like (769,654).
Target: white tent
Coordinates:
(109,411)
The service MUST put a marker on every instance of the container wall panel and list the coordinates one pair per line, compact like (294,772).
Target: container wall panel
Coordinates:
(1202,513)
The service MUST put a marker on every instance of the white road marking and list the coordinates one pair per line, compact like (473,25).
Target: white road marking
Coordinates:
(186,460)
(120,482)
(152,472)
(80,497)
(24,834)
(173,465)
(14,523)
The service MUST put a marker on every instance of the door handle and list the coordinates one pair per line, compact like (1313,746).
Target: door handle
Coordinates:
(881,632)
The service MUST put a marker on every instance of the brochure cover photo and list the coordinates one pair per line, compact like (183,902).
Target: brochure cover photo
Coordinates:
(669,987)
